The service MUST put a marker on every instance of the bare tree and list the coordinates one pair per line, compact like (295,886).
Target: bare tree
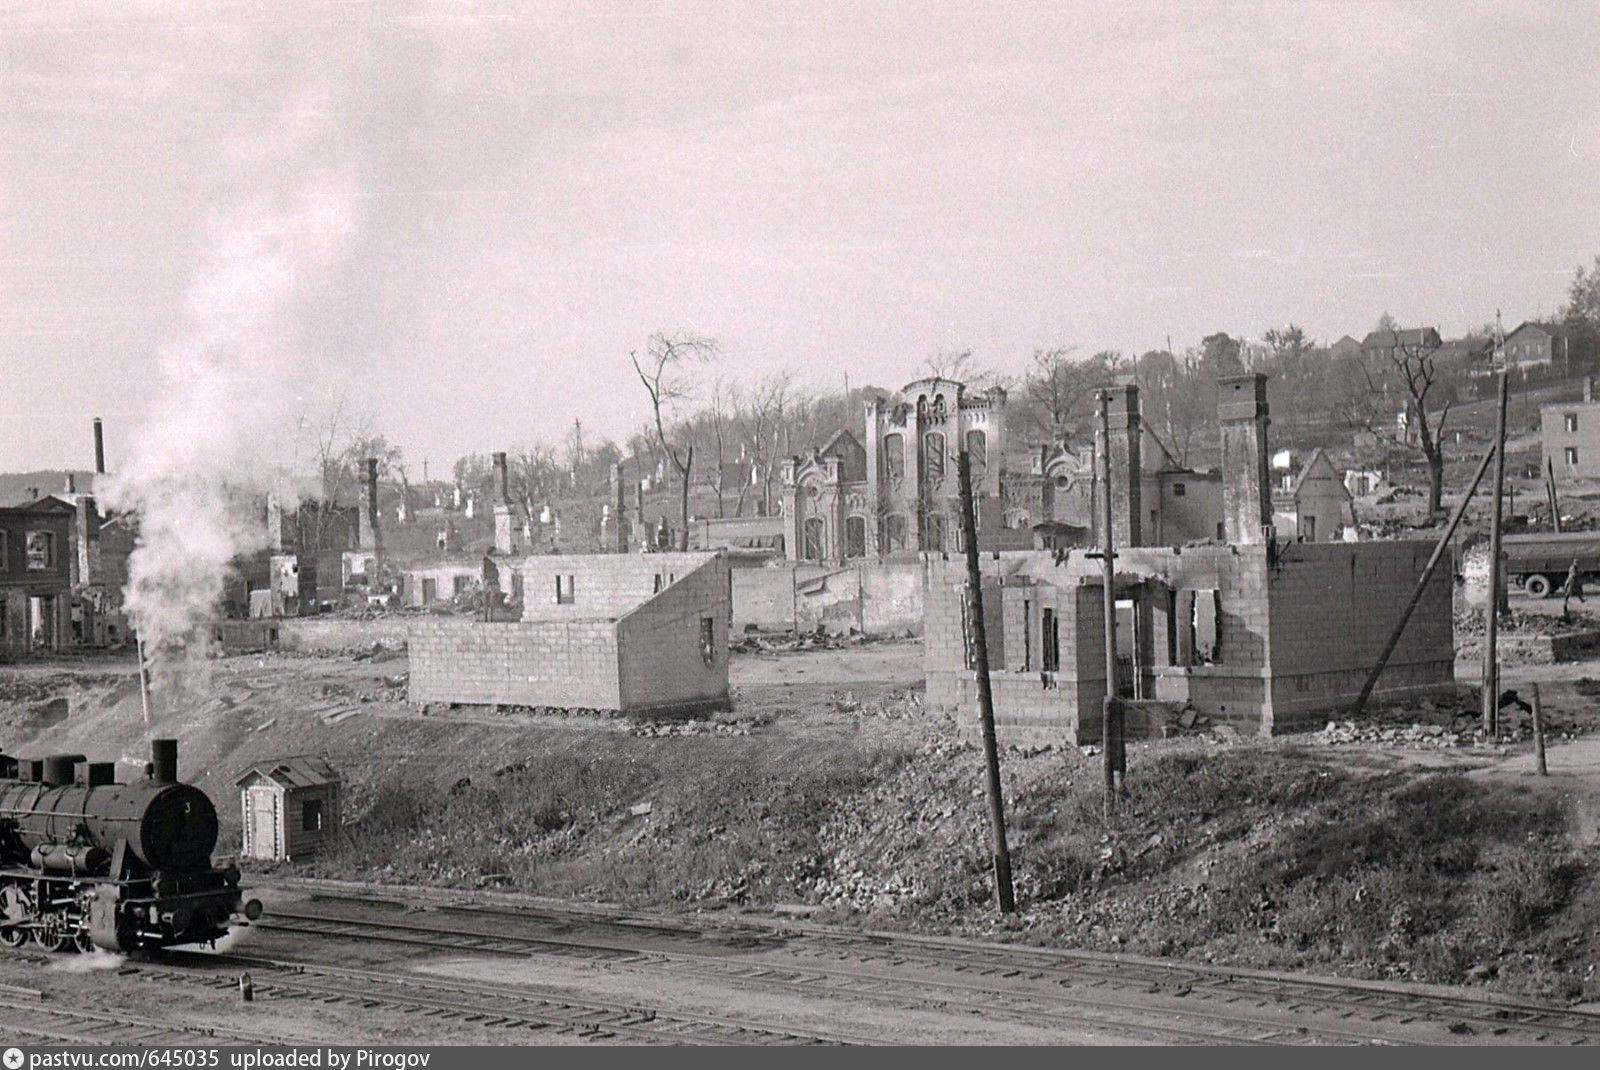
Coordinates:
(667,373)
(1413,367)
(534,475)
(1056,383)
(957,365)
(762,420)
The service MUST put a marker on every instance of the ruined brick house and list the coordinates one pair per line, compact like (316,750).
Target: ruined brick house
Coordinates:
(632,634)
(1255,632)
(896,489)
(35,577)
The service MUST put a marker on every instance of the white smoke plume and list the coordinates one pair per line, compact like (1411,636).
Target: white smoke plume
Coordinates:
(201,466)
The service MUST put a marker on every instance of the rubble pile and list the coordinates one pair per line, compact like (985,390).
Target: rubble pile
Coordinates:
(1464,731)
(741,727)
(787,642)
(894,704)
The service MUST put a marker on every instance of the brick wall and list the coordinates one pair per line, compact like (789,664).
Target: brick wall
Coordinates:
(1294,638)
(1333,606)
(663,667)
(1585,439)
(567,664)
(763,598)
(891,596)
(876,597)
(605,585)
(311,633)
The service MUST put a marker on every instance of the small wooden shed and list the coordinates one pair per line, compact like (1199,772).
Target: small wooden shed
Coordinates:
(291,807)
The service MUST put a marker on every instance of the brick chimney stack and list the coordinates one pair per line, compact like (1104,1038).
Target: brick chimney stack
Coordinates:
(1246,490)
(99,448)
(504,536)
(502,477)
(1126,468)
(370,532)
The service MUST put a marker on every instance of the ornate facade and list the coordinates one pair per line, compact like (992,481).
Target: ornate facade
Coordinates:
(897,491)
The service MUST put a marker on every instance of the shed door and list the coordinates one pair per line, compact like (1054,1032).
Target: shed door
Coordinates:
(264,823)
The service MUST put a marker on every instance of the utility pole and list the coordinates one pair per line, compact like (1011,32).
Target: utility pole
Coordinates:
(1550,491)
(424,471)
(1110,714)
(1491,657)
(980,658)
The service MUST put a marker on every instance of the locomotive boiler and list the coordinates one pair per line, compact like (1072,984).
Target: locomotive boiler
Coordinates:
(88,862)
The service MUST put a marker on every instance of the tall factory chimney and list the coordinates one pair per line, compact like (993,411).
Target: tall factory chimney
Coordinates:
(99,448)
(1246,492)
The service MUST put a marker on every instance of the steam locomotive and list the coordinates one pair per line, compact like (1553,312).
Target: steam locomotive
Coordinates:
(87,862)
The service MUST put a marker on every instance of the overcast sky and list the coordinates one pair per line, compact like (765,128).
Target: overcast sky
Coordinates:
(462,216)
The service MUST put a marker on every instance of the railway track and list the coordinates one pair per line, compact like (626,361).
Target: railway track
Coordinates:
(1147,1013)
(34,1022)
(1346,1000)
(513,1009)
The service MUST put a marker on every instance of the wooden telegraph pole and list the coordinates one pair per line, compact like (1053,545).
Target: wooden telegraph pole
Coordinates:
(980,659)
(1550,492)
(1110,714)
(1491,658)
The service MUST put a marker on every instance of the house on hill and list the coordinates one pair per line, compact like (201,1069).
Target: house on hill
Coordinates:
(1538,345)
(1345,347)
(1387,344)
(1315,505)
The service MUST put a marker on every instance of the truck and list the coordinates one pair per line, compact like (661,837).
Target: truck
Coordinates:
(1539,563)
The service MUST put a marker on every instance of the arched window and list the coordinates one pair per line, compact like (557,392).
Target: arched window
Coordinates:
(894,533)
(938,405)
(922,405)
(813,545)
(933,457)
(855,536)
(978,450)
(894,456)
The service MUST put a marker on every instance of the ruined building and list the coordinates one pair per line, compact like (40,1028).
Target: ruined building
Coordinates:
(1254,631)
(63,565)
(896,490)
(618,633)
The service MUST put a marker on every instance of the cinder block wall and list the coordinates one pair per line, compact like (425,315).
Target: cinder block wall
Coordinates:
(763,598)
(606,585)
(569,664)
(873,596)
(1332,607)
(663,667)
(313,633)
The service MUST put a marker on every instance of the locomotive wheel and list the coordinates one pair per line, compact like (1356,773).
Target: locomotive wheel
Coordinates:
(13,937)
(50,939)
(81,941)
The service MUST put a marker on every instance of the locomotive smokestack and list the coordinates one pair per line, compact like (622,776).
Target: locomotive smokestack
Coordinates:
(99,448)
(163,761)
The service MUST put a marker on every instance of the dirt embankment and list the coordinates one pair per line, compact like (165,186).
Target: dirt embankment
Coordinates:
(842,794)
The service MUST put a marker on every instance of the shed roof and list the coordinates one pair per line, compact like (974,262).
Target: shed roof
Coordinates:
(297,771)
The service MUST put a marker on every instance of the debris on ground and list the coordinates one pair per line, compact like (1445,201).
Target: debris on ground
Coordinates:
(788,642)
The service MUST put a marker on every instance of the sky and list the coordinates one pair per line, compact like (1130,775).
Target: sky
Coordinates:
(456,220)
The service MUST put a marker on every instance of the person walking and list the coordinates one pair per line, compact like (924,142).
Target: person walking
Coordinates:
(1574,587)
